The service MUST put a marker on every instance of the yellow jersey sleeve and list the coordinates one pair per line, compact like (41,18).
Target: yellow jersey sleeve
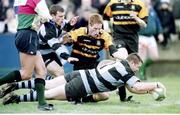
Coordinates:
(144,11)
(108,40)
(107,10)
(77,32)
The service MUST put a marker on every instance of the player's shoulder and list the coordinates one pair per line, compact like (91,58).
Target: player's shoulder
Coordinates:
(139,2)
(50,25)
(81,30)
(105,34)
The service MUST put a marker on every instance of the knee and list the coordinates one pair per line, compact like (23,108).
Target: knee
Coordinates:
(25,75)
(106,96)
(41,73)
(143,45)
(101,96)
(58,73)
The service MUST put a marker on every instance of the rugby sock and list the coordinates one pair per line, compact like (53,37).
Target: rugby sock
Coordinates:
(142,72)
(148,62)
(40,86)
(11,77)
(142,69)
(32,96)
(26,84)
(122,93)
(48,77)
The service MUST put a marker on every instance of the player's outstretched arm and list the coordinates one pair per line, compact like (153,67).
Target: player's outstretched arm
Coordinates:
(144,88)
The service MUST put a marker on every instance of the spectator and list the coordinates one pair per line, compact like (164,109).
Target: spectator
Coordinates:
(167,20)
(77,4)
(11,2)
(69,8)
(84,15)
(11,21)
(99,5)
(4,6)
(156,4)
(176,10)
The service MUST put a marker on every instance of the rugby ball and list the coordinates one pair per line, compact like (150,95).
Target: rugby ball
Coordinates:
(159,94)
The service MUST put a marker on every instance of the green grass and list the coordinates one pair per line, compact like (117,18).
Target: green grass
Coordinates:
(112,106)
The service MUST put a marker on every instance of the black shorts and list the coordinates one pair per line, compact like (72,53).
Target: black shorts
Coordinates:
(27,41)
(74,88)
(128,41)
(48,58)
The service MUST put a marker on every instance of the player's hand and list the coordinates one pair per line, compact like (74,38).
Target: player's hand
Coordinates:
(130,100)
(67,39)
(160,38)
(73,20)
(133,15)
(72,59)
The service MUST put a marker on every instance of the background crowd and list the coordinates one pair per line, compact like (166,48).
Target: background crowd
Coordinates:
(82,8)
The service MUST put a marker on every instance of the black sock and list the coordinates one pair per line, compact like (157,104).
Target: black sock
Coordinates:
(88,99)
(40,86)
(122,93)
(11,77)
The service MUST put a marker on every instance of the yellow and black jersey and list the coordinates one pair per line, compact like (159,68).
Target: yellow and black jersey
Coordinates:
(86,47)
(120,12)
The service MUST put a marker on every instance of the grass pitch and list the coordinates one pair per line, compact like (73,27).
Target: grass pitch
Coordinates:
(170,105)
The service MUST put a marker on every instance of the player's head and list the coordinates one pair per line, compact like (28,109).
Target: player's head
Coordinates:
(95,25)
(57,12)
(135,61)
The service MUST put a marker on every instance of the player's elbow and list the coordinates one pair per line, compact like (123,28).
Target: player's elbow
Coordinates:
(143,25)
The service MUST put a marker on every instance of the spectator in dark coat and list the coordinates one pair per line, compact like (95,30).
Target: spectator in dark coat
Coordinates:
(167,20)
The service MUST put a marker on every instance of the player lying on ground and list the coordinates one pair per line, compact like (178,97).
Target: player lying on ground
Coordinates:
(108,76)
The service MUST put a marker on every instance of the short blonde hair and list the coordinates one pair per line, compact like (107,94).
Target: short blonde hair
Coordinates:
(94,19)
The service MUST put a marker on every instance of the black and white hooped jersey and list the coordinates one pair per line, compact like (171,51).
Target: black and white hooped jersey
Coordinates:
(108,76)
(49,35)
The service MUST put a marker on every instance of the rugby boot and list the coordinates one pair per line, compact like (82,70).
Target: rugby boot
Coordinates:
(11,98)
(46,107)
(7,89)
